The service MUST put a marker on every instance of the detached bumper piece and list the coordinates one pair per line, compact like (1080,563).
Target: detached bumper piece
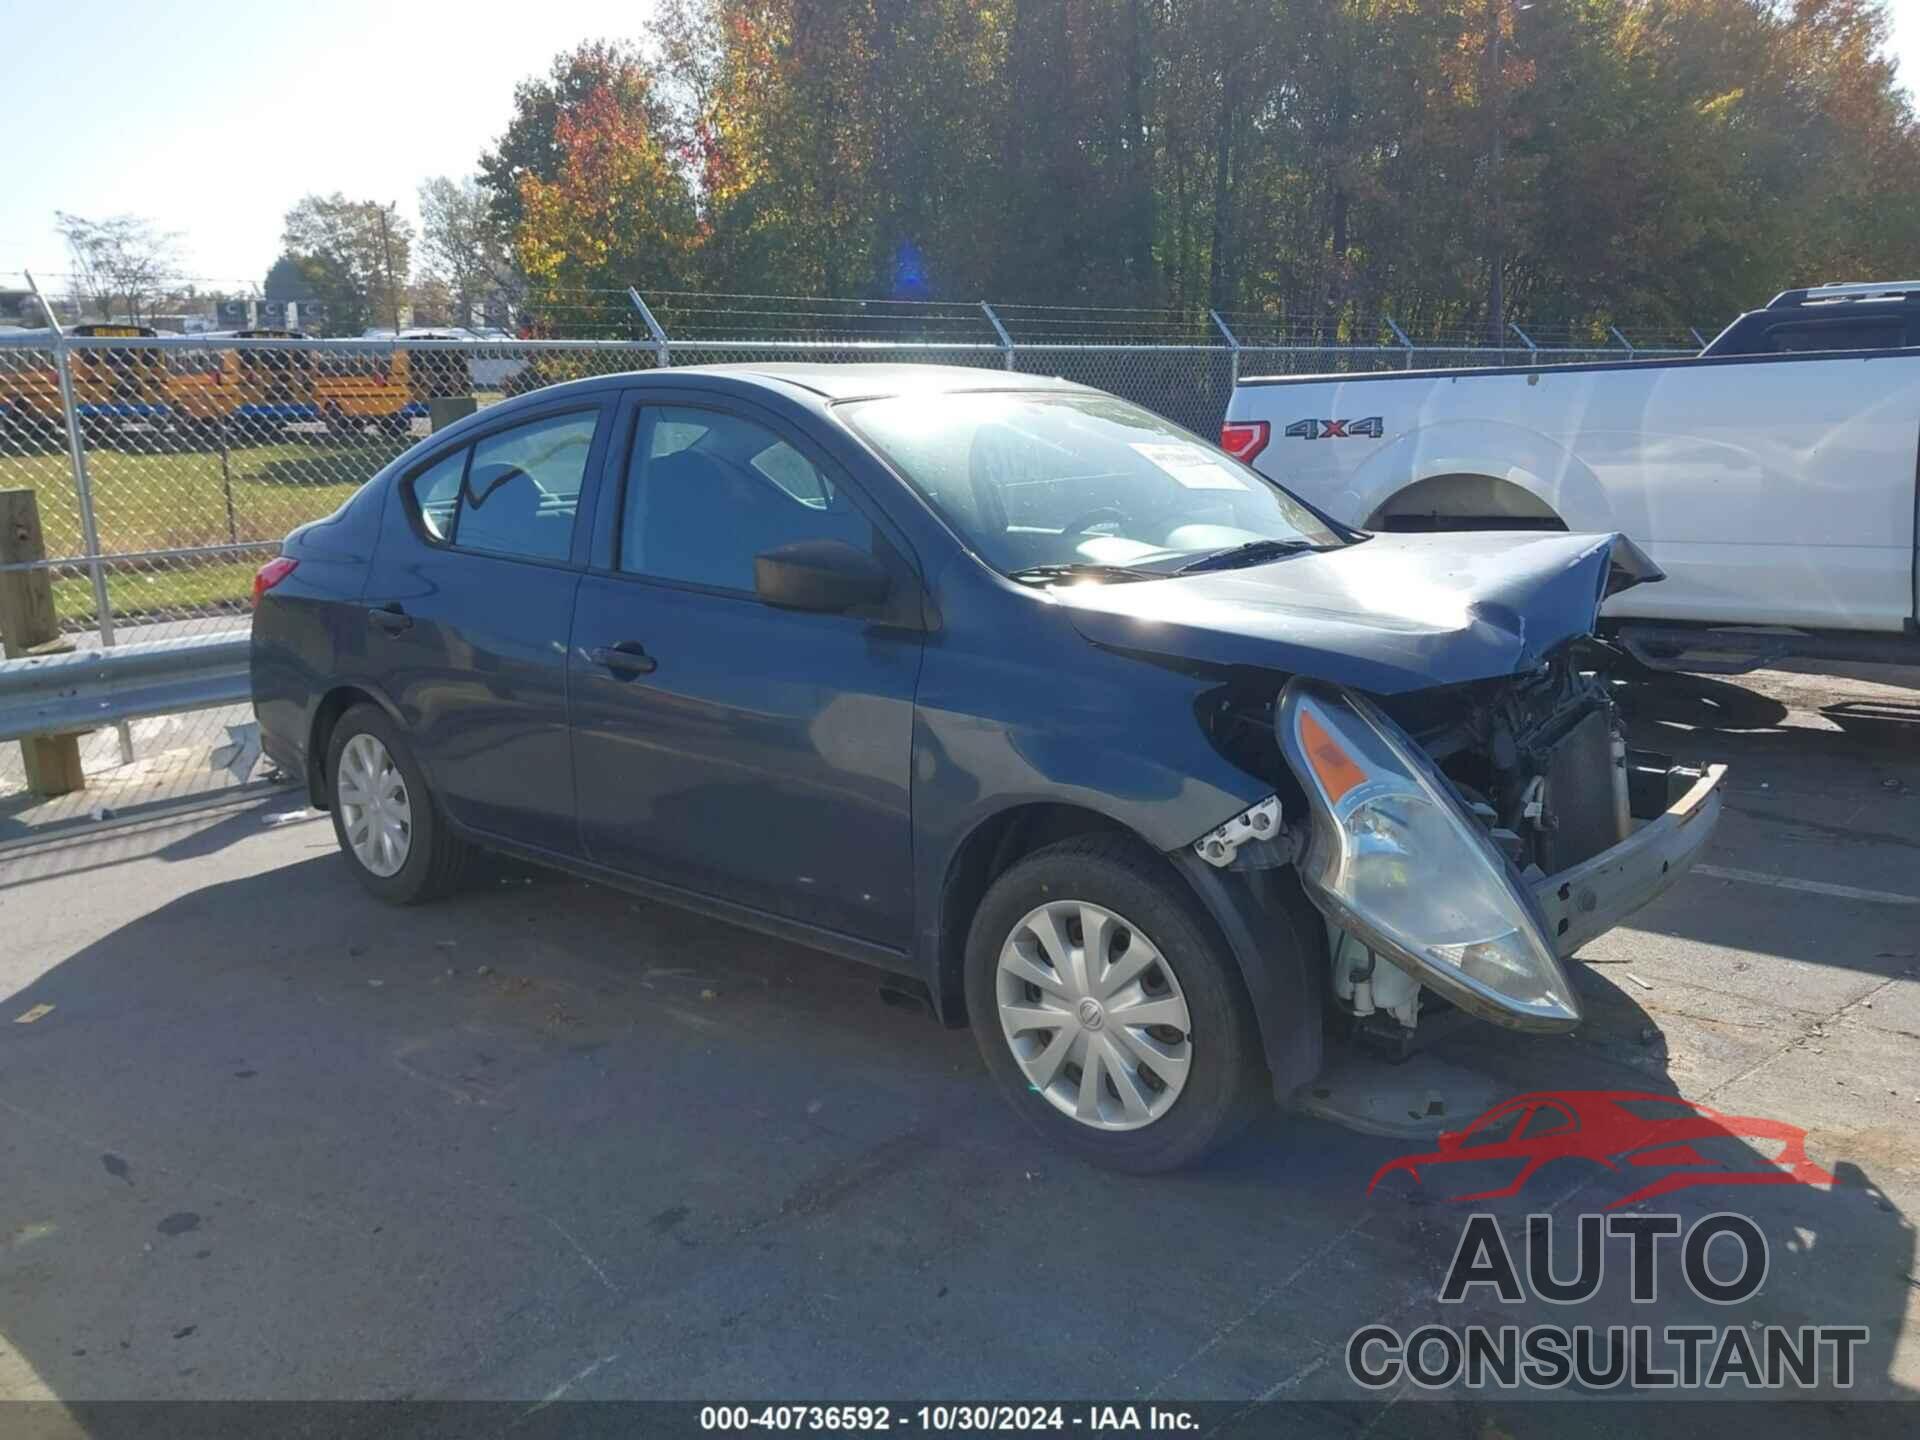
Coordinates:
(1596,895)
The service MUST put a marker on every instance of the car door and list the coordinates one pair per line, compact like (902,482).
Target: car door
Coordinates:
(469,601)
(722,745)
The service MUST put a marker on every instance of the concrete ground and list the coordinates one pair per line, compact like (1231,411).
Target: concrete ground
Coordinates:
(273,1140)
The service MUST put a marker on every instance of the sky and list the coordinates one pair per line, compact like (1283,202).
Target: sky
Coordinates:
(212,118)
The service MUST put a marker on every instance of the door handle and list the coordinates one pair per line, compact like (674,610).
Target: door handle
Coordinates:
(629,657)
(390,619)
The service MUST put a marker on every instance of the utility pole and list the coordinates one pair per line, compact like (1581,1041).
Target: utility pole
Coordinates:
(386,263)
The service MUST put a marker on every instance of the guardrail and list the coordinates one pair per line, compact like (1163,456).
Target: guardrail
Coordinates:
(86,689)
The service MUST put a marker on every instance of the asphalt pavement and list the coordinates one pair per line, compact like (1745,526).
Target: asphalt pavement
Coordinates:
(269,1139)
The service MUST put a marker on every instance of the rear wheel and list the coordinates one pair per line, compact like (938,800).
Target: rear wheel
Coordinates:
(384,817)
(1108,1011)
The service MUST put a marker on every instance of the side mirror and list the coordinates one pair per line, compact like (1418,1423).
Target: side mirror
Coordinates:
(829,576)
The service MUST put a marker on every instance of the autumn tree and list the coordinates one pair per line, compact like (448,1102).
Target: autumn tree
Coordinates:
(1455,164)
(531,147)
(615,208)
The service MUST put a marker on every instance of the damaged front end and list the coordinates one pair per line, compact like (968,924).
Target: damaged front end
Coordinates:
(1464,839)
(1477,858)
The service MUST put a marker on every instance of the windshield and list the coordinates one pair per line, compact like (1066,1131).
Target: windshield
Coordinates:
(1036,479)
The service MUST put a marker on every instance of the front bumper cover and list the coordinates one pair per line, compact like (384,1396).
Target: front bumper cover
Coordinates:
(1597,894)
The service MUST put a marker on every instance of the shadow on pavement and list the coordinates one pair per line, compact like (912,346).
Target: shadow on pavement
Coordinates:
(275,1140)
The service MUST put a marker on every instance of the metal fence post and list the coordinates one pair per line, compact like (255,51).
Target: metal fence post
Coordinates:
(226,485)
(662,348)
(1533,350)
(1401,336)
(1233,345)
(1006,340)
(83,493)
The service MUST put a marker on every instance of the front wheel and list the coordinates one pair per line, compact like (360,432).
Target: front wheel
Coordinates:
(383,815)
(1107,1009)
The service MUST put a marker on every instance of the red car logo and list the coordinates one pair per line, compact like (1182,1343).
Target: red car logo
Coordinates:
(1619,1129)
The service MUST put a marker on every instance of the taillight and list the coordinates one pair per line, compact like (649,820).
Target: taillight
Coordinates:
(270,575)
(1243,439)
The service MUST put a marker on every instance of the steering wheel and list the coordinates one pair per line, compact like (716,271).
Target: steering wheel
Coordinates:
(1099,515)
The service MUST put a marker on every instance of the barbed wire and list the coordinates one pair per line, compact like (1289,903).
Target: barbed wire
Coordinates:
(190,302)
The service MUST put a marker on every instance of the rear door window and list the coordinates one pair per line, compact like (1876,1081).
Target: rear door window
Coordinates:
(522,490)
(515,492)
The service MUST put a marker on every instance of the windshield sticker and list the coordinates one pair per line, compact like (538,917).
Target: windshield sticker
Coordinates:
(1192,467)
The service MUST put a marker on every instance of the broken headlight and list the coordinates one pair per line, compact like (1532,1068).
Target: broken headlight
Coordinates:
(1395,858)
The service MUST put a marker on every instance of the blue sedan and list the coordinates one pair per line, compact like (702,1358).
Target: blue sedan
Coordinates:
(1133,761)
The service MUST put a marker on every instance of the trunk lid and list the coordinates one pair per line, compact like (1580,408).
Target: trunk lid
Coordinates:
(1391,614)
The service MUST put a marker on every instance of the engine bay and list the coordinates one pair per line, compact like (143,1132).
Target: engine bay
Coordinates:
(1539,759)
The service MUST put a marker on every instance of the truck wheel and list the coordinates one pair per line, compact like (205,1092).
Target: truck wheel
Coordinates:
(384,817)
(1108,1012)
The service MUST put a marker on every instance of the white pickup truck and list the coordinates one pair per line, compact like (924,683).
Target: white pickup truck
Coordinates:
(1779,492)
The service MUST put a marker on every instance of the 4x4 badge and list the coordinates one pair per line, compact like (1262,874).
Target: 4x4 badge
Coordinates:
(1336,429)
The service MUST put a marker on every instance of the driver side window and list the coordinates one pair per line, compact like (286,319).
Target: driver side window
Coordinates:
(707,491)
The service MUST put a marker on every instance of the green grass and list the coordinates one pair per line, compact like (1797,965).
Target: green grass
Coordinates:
(184,498)
(176,591)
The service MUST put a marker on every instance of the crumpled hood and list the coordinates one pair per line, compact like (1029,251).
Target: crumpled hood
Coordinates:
(1390,614)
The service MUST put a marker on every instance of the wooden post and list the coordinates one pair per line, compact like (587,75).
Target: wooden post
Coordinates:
(28,626)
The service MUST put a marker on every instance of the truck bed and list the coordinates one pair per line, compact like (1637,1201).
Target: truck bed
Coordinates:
(1777,490)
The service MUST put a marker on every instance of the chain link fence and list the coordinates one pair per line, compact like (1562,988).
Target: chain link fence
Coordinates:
(166,469)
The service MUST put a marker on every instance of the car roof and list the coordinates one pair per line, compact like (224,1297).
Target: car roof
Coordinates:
(816,385)
(835,381)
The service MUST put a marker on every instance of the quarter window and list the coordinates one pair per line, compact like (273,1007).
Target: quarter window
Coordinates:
(708,491)
(436,493)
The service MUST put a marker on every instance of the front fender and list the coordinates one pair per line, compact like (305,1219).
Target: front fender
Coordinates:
(1280,943)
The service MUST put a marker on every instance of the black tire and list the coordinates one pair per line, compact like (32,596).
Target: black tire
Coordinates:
(1228,1084)
(437,859)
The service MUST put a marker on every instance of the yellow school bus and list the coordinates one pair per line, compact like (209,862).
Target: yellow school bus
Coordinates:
(388,388)
(251,391)
(112,389)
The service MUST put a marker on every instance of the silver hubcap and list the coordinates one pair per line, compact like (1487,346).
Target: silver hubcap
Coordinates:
(1094,1015)
(375,809)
